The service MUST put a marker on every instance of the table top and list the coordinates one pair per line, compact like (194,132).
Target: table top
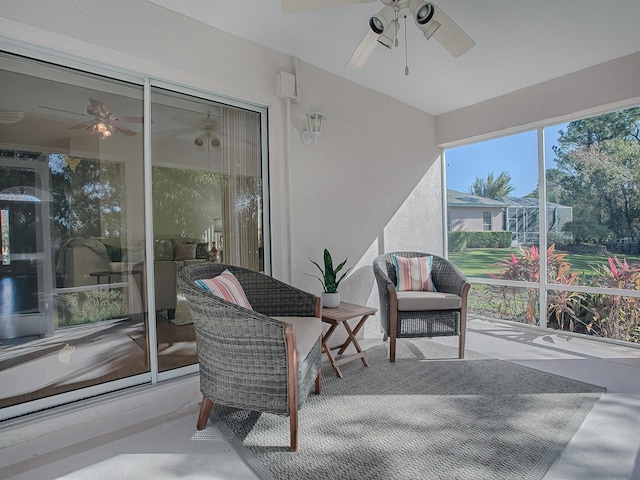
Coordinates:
(346,311)
(105,273)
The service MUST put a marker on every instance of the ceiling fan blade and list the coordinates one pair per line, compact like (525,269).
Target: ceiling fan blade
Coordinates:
(174,133)
(298,6)
(96,107)
(83,124)
(200,122)
(124,130)
(450,35)
(126,119)
(363,51)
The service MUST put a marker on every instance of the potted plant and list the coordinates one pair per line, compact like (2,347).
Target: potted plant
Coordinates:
(115,255)
(330,280)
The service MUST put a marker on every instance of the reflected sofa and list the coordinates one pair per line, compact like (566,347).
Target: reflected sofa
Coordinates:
(79,258)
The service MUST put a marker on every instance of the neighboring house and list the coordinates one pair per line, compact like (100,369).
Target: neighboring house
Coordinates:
(522,216)
(466,212)
(471,213)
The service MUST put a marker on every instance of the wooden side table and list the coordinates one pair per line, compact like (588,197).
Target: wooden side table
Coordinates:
(339,316)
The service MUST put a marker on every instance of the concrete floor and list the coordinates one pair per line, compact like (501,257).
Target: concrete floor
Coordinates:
(145,432)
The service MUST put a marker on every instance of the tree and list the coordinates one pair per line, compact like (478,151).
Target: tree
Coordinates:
(492,187)
(599,159)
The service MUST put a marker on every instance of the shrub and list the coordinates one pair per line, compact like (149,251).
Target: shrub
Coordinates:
(95,306)
(461,240)
(587,231)
(560,239)
(615,316)
(606,315)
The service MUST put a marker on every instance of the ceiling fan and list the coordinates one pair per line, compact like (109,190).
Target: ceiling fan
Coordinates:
(384,26)
(206,127)
(106,123)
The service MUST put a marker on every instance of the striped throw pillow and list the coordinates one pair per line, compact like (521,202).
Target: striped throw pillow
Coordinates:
(414,274)
(227,287)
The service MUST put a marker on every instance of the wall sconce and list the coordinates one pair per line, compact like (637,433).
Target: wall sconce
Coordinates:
(315,126)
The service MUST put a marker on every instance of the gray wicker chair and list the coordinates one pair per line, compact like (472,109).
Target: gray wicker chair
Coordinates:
(443,317)
(251,360)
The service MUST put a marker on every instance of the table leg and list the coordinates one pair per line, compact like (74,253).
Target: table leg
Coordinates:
(355,332)
(355,343)
(327,350)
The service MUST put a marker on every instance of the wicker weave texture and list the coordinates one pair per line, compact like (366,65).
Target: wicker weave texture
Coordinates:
(242,353)
(446,277)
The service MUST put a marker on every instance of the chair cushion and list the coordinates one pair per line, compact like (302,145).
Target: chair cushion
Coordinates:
(227,287)
(423,301)
(307,330)
(414,274)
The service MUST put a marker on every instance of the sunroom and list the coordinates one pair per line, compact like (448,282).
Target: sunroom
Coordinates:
(149,140)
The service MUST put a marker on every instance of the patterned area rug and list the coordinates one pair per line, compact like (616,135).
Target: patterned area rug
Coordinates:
(428,416)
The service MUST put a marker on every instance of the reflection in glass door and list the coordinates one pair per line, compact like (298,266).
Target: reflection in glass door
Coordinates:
(72,234)
(26,269)
(76,319)
(207,203)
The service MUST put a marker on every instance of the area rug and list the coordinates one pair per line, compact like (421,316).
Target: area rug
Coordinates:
(428,416)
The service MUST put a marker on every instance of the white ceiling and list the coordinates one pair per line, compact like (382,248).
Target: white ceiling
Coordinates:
(518,43)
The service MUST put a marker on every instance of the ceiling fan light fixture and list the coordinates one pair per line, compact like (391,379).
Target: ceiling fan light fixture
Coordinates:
(382,19)
(103,128)
(422,11)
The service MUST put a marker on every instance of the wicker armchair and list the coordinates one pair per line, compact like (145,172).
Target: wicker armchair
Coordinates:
(265,360)
(422,314)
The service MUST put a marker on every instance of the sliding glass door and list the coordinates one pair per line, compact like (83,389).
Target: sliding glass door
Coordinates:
(82,311)
(207,203)
(71,165)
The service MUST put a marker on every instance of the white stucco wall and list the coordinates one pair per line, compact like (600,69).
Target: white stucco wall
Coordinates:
(370,184)
(602,88)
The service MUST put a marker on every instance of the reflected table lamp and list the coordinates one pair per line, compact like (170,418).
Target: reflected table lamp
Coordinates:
(217,230)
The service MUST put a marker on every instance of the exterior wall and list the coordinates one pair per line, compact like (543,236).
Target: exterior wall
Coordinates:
(365,187)
(471,219)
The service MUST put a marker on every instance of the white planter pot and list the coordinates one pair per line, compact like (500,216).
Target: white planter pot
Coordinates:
(330,300)
(116,267)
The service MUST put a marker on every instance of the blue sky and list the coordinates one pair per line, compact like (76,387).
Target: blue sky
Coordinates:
(516,154)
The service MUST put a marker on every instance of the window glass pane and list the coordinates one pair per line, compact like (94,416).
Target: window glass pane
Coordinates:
(71,167)
(516,304)
(492,204)
(607,316)
(207,203)
(593,182)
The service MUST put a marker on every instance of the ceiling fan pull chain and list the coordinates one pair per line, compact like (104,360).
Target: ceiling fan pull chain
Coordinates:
(398,25)
(406,53)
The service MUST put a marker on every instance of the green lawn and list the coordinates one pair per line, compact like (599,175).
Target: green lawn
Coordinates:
(480,262)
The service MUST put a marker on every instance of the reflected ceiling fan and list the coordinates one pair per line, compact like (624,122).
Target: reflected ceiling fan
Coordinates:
(384,26)
(106,123)
(206,128)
